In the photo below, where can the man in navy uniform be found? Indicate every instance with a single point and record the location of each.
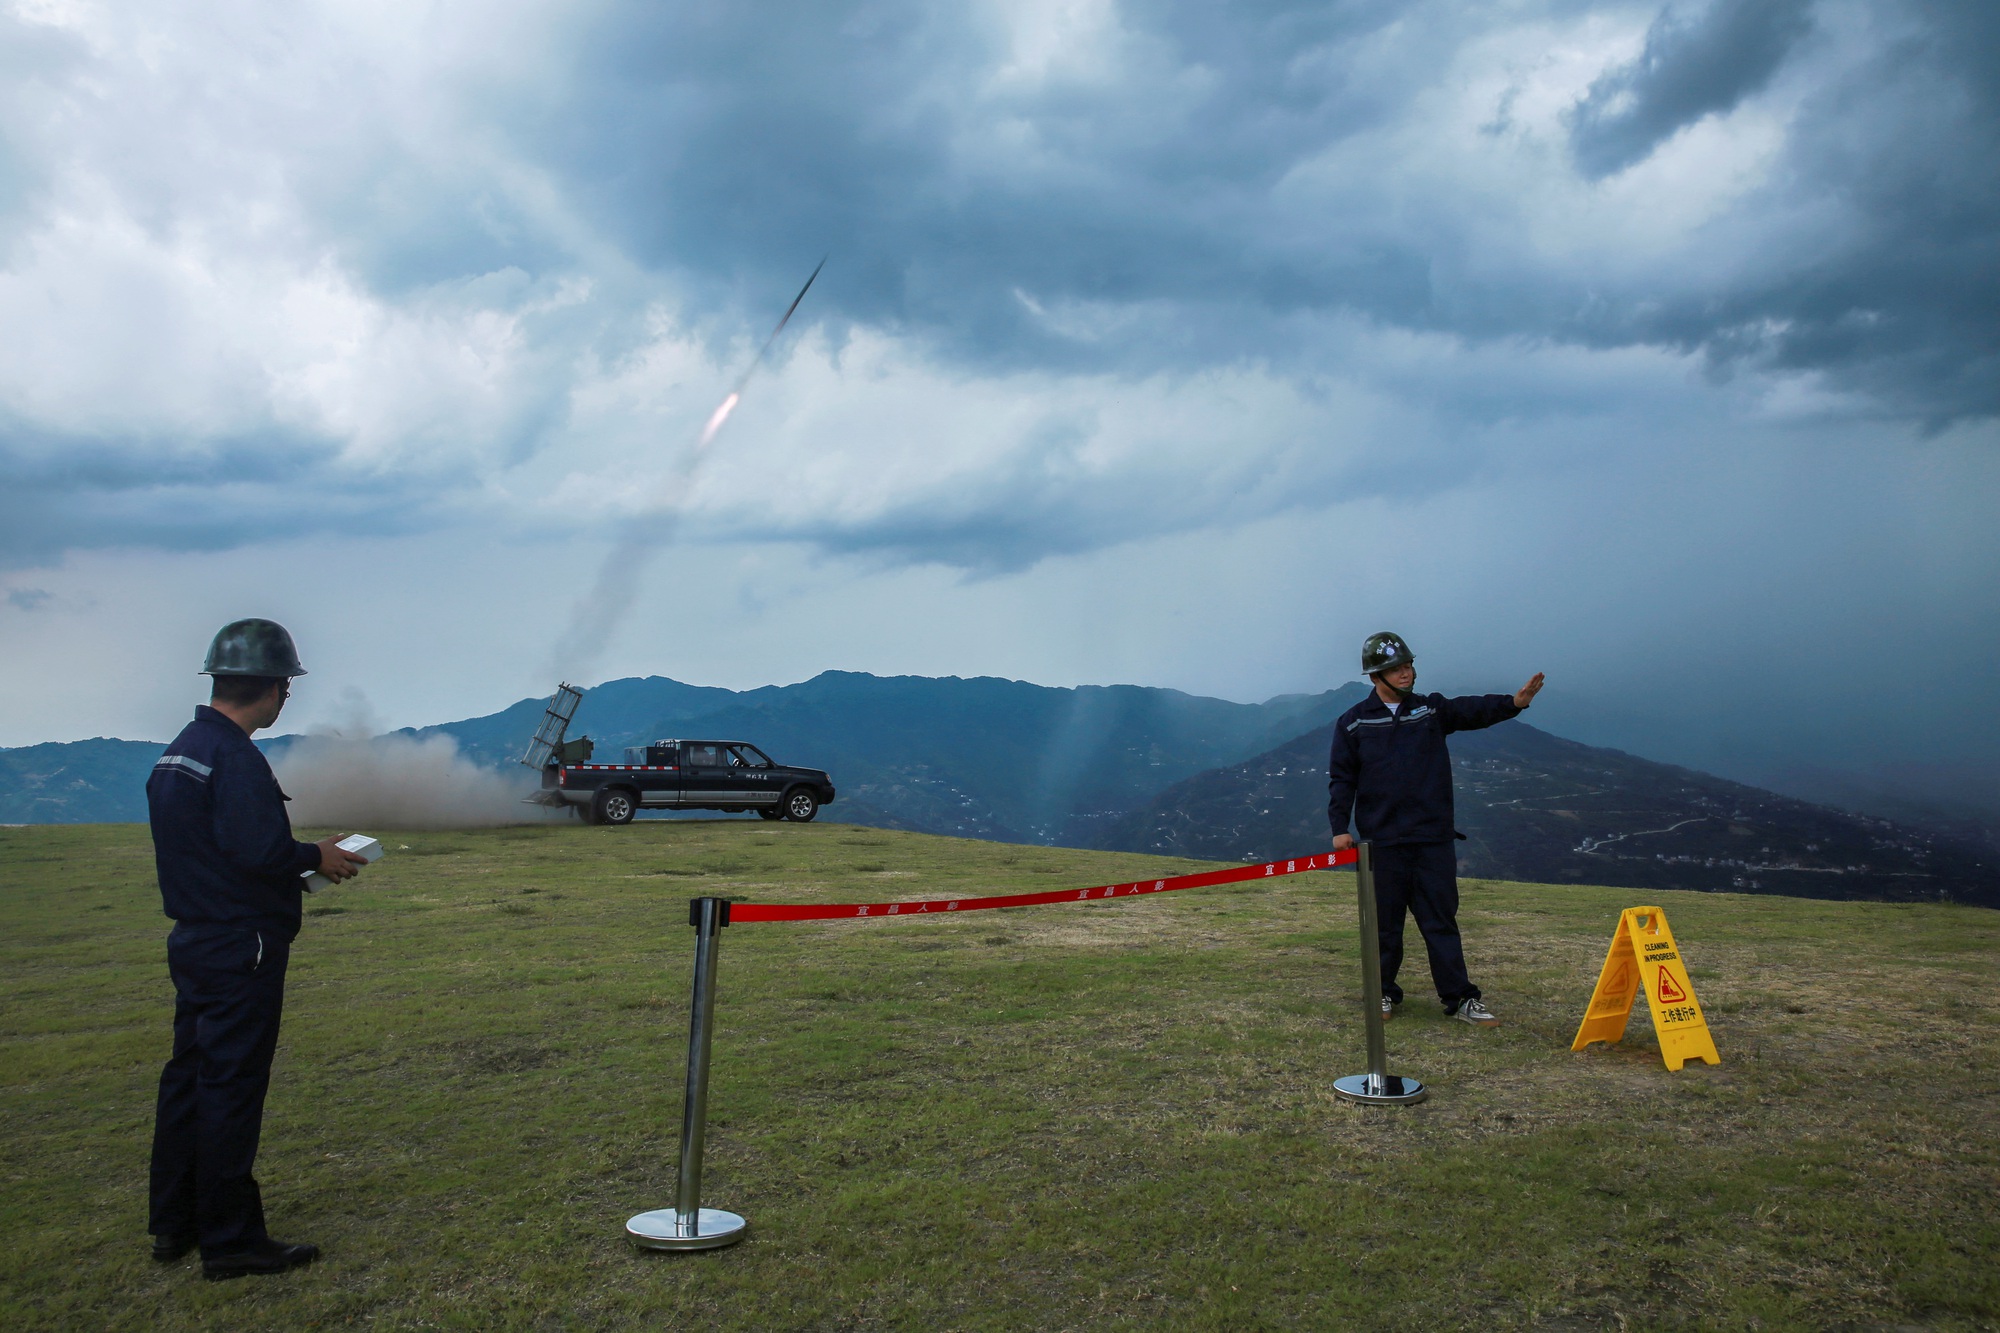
(230, 877)
(1391, 774)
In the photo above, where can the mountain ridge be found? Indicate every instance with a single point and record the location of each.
(1537, 807)
(1137, 768)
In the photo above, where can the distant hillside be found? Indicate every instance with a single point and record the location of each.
(1125, 767)
(1539, 808)
(978, 757)
(98, 781)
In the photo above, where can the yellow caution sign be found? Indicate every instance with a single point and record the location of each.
(1644, 957)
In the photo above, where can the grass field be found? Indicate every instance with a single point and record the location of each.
(1101, 1115)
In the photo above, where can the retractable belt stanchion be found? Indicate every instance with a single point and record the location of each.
(687, 1225)
(1377, 1087)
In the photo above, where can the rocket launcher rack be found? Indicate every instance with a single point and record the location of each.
(555, 725)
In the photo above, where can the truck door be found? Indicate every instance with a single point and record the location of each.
(755, 775)
(661, 784)
(705, 777)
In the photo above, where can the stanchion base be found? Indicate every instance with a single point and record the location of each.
(1379, 1090)
(661, 1230)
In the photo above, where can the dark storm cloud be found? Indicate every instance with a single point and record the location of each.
(57, 493)
(1903, 303)
(1147, 193)
(730, 147)
(1691, 67)
(1157, 194)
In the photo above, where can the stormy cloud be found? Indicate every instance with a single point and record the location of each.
(400, 262)
(1108, 283)
(1693, 66)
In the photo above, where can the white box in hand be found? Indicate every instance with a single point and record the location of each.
(356, 844)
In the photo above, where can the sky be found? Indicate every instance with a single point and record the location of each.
(1656, 347)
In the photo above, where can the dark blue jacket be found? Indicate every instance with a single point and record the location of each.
(1391, 770)
(221, 836)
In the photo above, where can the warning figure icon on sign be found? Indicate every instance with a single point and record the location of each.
(1669, 992)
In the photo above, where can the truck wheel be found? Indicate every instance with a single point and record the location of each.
(613, 805)
(769, 812)
(800, 805)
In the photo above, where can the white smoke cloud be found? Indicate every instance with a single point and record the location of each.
(346, 776)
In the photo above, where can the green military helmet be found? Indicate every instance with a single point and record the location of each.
(1385, 652)
(253, 648)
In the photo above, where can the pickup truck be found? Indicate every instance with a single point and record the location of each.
(685, 775)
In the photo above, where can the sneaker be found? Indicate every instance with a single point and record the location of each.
(1388, 1007)
(1477, 1014)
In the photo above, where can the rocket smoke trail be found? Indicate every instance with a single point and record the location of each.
(594, 618)
(721, 413)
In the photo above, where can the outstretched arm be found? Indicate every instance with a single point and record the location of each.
(1471, 712)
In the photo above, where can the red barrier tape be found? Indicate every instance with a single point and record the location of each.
(850, 911)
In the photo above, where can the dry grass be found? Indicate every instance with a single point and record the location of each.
(1087, 1116)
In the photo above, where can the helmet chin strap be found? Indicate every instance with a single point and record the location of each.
(1382, 678)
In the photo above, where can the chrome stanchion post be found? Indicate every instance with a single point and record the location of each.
(687, 1225)
(1371, 968)
(1377, 1087)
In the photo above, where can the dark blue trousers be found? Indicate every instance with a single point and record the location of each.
(229, 993)
(1422, 880)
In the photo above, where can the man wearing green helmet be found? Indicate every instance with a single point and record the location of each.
(1389, 778)
(229, 873)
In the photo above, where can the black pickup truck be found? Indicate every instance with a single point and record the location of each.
(686, 775)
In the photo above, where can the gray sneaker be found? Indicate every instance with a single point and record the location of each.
(1477, 1014)
(1388, 1007)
